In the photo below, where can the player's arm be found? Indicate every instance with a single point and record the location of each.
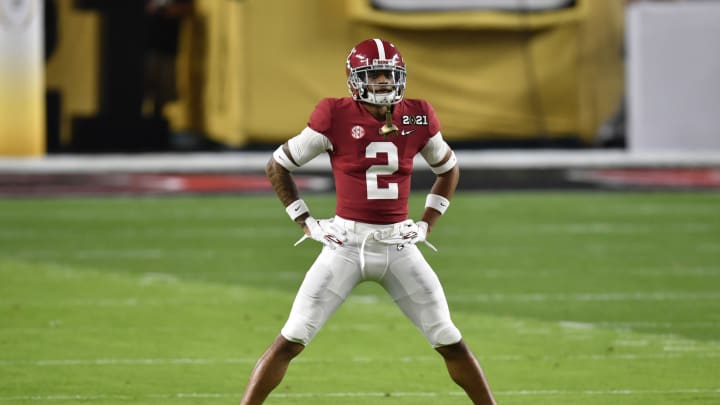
(291, 155)
(283, 183)
(444, 186)
(443, 163)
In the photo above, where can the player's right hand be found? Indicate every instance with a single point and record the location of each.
(324, 231)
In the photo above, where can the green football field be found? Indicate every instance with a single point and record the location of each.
(566, 298)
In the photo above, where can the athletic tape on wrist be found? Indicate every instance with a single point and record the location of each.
(445, 167)
(296, 208)
(437, 202)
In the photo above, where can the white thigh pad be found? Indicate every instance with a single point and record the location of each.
(416, 289)
(326, 285)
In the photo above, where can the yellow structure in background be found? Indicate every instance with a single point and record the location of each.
(489, 74)
(74, 67)
(22, 96)
(212, 72)
(251, 71)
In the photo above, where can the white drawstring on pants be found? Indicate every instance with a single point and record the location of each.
(362, 249)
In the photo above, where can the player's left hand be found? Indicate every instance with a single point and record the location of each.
(412, 232)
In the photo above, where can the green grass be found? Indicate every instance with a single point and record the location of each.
(566, 298)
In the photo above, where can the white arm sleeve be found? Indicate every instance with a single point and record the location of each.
(304, 147)
(435, 150)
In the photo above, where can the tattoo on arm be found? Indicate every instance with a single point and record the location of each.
(282, 182)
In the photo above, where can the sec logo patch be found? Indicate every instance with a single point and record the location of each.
(357, 132)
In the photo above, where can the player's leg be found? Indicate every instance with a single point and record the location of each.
(416, 289)
(270, 370)
(465, 370)
(326, 285)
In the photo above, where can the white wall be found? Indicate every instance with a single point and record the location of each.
(673, 76)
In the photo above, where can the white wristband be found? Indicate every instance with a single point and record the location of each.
(296, 208)
(437, 202)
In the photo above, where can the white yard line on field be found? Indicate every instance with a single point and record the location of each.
(64, 397)
(696, 354)
(58, 326)
(115, 362)
(520, 297)
(629, 392)
(360, 394)
(590, 297)
(663, 325)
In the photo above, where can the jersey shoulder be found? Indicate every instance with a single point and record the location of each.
(416, 104)
(322, 116)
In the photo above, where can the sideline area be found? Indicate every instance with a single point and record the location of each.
(228, 172)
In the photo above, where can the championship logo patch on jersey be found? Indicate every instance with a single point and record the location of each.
(357, 132)
(415, 120)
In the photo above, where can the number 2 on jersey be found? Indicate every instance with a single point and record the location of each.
(374, 192)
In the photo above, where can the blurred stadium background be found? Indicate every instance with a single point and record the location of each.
(555, 92)
(608, 296)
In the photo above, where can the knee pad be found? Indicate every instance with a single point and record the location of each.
(298, 331)
(443, 335)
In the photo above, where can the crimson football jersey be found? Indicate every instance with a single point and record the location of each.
(373, 172)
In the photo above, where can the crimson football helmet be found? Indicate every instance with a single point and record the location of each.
(368, 61)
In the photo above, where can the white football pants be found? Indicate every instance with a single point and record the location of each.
(402, 272)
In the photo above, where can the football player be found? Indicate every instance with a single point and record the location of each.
(371, 138)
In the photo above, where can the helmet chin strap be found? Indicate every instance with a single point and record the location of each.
(389, 128)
